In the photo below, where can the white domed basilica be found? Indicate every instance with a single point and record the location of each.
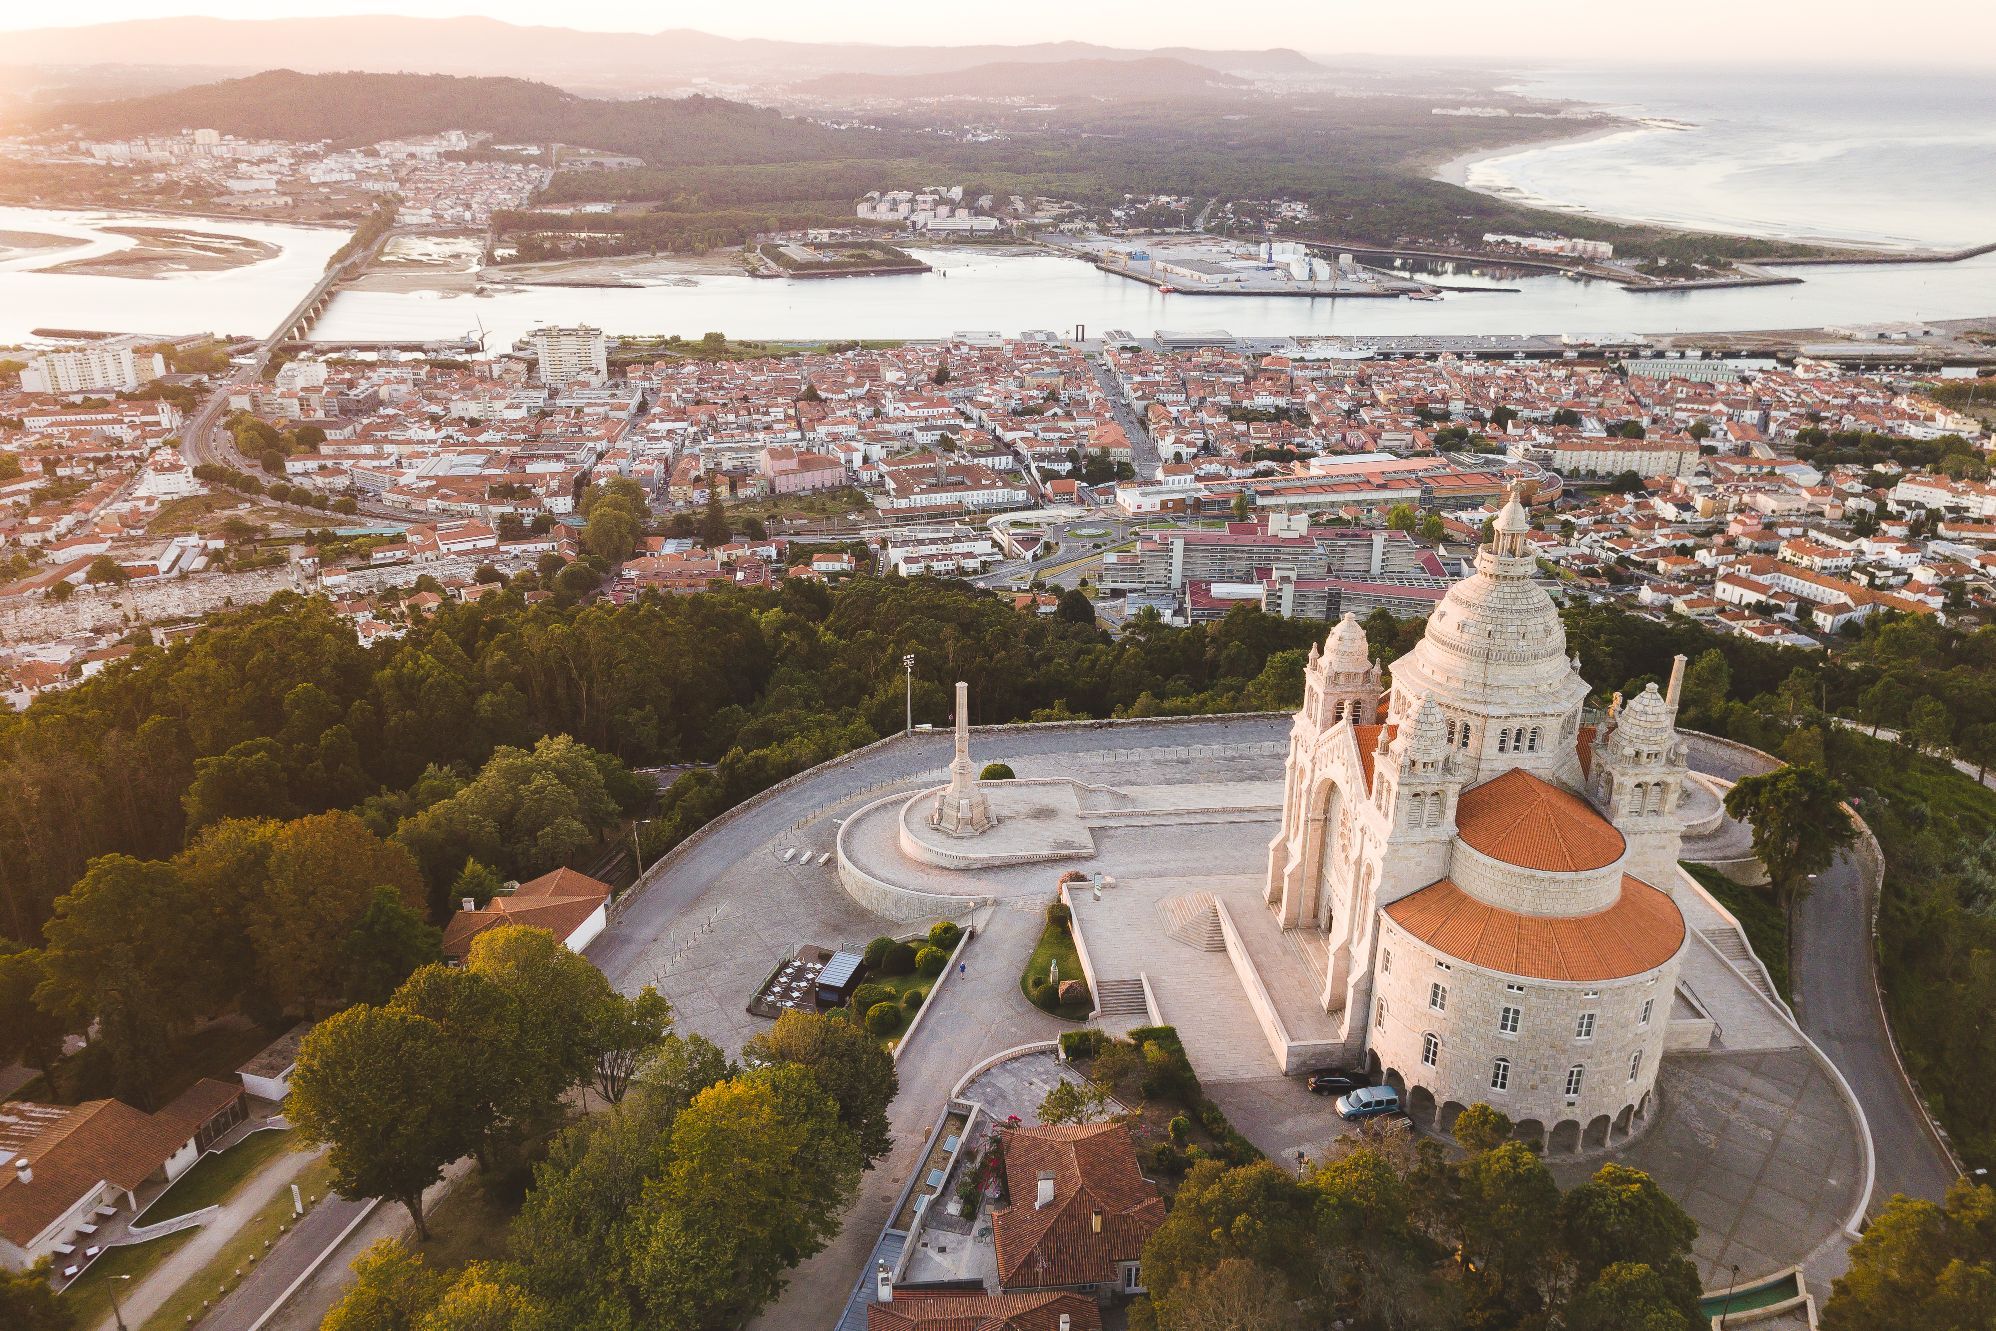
(1490, 876)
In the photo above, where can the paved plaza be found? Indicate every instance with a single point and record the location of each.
(1731, 1128)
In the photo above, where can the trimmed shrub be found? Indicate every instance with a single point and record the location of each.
(996, 772)
(1058, 913)
(900, 960)
(930, 961)
(945, 936)
(864, 997)
(876, 952)
(1083, 1043)
(882, 1018)
(912, 999)
(1180, 1128)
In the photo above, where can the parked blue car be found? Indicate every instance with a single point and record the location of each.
(1368, 1102)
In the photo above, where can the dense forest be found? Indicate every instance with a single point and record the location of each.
(719, 172)
(359, 108)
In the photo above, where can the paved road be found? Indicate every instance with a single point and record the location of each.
(144, 1297)
(253, 1301)
(1143, 452)
(1831, 961)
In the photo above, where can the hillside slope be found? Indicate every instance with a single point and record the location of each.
(1160, 78)
(361, 108)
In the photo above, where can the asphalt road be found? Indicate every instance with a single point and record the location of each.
(251, 1303)
(1836, 1004)
(1143, 453)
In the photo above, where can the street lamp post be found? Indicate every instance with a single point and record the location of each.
(1731, 1290)
(117, 1313)
(908, 668)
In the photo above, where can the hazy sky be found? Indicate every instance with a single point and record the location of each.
(1842, 31)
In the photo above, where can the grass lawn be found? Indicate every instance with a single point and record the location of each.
(1056, 945)
(215, 1177)
(90, 1297)
(470, 1224)
(249, 1245)
(900, 986)
(1766, 927)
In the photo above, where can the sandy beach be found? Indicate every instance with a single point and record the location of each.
(165, 251)
(1455, 171)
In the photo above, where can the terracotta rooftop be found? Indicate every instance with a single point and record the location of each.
(559, 902)
(912, 1310)
(1524, 820)
(1102, 1211)
(1641, 931)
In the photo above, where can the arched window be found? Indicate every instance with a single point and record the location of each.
(1533, 742)
(1503, 741)
(1500, 1075)
(1435, 809)
(1451, 733)
(1431, 1049)
(1379, 1016)
(1574, 1076)
(1462, 740)
(1635, 1064)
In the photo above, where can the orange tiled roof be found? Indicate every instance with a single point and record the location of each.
(559, 902)
(913, 1310)
(1641, 931)
(1523, 820)
(1095, 1179)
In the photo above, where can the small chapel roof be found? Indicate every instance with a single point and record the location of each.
(1640, 932)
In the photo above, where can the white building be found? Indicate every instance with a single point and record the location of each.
(568, 355)
(1490, 878)
(115, 365)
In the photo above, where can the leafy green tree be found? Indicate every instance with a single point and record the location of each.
(1075, 607)
(1071, 1103)
(624, 1033)
(1708, 683)
(385, 945)
(106, 571)
(554, 997)
(474, 883)
(1481, 1128)
(1506, 1212)
(321, 879)
(574, 1233)
(854, 1070)
(1929, 725)
(1431, 527)
(392, 1290)
(708, 1254)
(616, 514)
(28, 1302)
(130, 947)
(485, 1298)
(29, 1033)
(1402, 517)
(1620, 1216)
(381, 1088)
(1798, 826)
(714, 528)
(526, 812)
(1628, 1296)
(1922, 1264)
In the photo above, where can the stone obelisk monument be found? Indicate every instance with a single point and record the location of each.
(962, 810)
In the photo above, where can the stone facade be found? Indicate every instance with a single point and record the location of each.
(1466, 830)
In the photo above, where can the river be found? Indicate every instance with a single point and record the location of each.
(971, 290)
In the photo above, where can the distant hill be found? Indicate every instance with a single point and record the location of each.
(361, 108)
(564, 56)
(1159, 77)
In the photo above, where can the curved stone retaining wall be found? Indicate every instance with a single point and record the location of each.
(903, 905)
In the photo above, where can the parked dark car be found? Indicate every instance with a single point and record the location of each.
(1334, 1082)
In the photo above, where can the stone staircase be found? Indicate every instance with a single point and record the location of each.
(1193, 918)
(1729, 944)
(1121, 998)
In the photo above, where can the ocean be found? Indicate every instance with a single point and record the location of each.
(1895, 159)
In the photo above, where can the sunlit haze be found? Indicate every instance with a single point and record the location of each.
(1837, 31)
